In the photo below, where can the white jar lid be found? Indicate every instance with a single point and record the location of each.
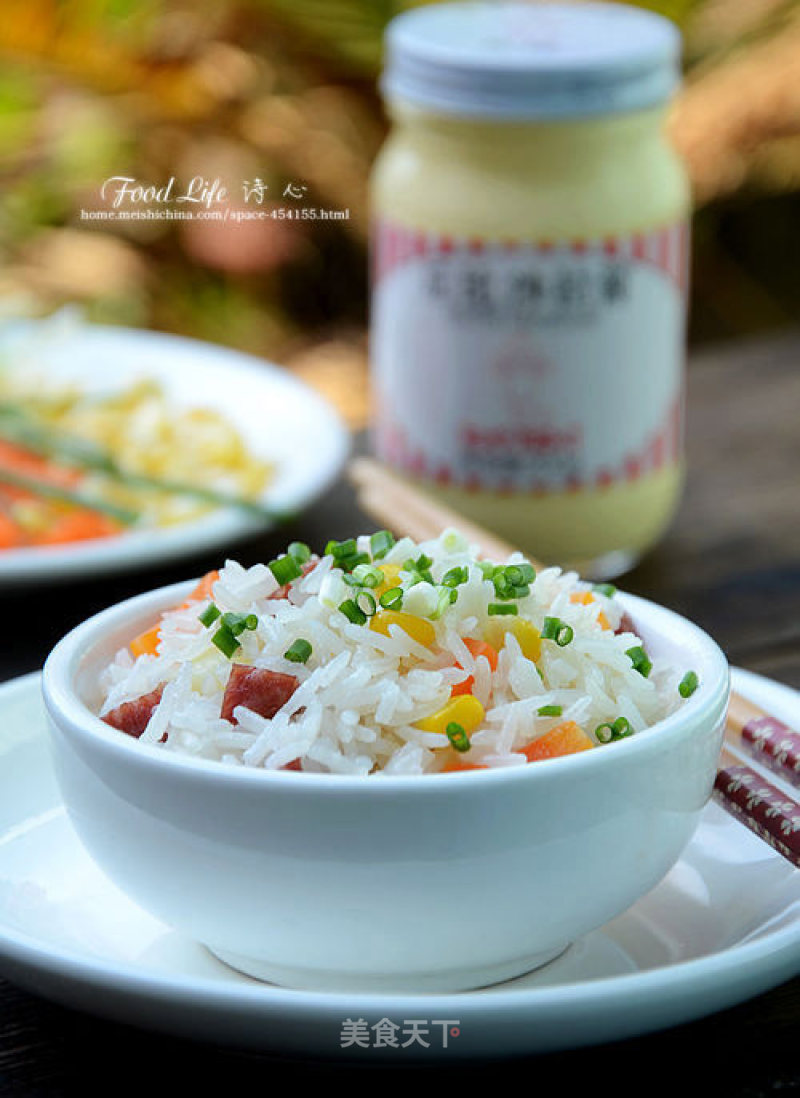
(522, 60)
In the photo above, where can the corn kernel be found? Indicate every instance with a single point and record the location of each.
(391, 578)
(525, 632)
(418, 629)
(464, 709)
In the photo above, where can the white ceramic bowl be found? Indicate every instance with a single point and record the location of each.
(436, 882)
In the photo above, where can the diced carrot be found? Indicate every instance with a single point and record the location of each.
(582, 597)
(586, 598)
(203, 589)
(458, 762)
(146, 644)
(565, 739)
(481, 648)
(77, 525)
(477, 648)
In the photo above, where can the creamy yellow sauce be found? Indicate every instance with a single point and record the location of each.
(534, 181)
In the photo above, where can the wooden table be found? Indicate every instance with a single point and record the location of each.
(731, 562)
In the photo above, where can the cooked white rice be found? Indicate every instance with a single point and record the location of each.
(361, 693)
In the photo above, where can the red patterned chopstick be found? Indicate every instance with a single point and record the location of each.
(768, 741)
(760, 805)
(768, 811)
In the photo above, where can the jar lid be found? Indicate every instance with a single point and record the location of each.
(531, 60)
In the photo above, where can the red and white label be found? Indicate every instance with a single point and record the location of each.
(528, 367)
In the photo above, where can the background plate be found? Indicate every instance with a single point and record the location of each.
(281, 419)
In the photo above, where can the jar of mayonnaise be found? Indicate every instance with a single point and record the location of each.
(529, 271)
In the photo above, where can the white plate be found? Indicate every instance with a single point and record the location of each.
(281, 419)
(722, 927)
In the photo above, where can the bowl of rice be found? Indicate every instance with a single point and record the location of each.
(386, 765)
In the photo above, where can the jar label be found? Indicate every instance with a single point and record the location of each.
(528, 367)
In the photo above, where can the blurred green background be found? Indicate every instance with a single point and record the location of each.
(284, 92)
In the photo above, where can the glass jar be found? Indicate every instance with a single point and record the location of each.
(529, 272)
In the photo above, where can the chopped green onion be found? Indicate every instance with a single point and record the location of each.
(550, 710)
(613, 730)
(487, 568)
(300, 551)
(458, 737)
(607, 589)
(503, 589)
(557, 630)
(510, 581)
(446, 596)
(340, 549)
(285, 569)
(237, 623)
(500, 608)
(365, 601)
(528, 571)
(352, 611)
(688, 684)
(225, 640)
(380, 543)
(345, 554)
(456, 576)
(392, 599)
(419, 569)
(298, 651)
(640, 660)
(209, 615)
(367, 575)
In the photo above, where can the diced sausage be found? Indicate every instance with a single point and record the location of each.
(626, 625)
(258, 689)
(295, 764)
(133, 717)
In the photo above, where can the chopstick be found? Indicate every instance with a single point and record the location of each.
(389, 499)
(760, 805)
(765, 739)
(747, 795)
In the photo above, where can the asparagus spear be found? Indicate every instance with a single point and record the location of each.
(18, 427)
(61, 494)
